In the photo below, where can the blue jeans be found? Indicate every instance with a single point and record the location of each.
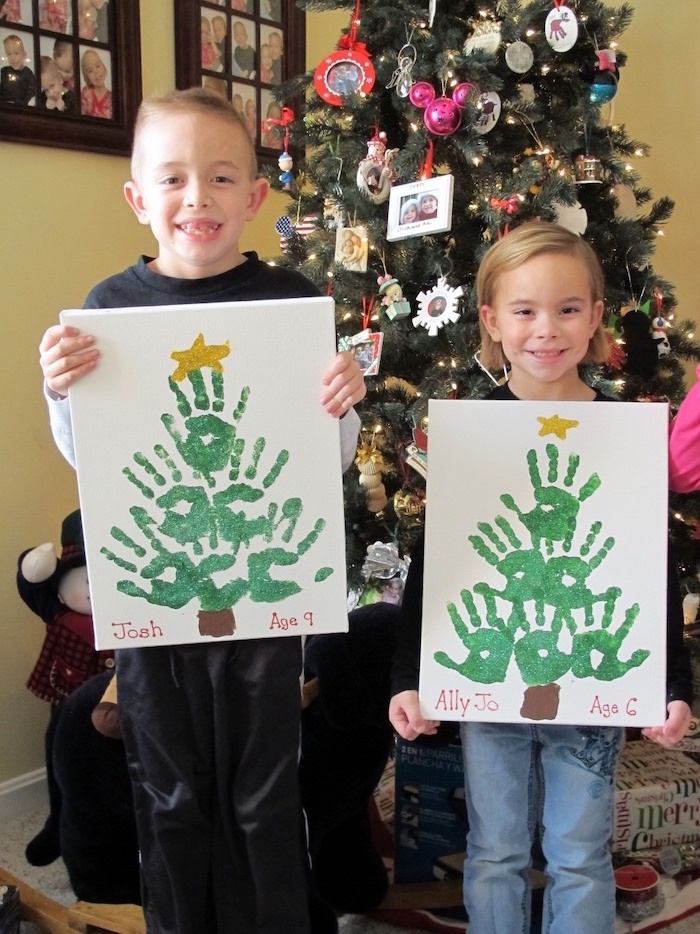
(522, 779)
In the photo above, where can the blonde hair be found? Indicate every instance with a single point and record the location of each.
(517, 247)
(193, 100)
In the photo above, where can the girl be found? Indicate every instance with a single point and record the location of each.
(87, 19)
(540, 299)
(95, 97)
(53, 15)
(409, 212)
(211, 57)
(684, 447)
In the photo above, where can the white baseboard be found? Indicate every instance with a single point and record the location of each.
(22, 795)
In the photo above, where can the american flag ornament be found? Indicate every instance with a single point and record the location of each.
(285, 227)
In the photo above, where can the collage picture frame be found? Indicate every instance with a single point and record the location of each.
(70, 73)
(243, 50)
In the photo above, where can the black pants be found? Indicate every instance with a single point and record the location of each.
(212, 738)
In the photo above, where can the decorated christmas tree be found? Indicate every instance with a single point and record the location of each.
(428, 131)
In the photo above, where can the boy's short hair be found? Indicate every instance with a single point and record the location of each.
(517, 247)
(191, 100)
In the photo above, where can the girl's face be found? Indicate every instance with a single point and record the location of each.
(206, 28)
(544, 317)
(410, 214)
(266, 57)
(94, 70)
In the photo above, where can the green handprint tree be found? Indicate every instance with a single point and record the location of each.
(210, 531)
(544, 616)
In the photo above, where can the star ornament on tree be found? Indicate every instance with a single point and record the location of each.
(198, 356)
(437, 306)
(554, 425)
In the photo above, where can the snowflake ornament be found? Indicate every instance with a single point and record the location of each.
(437, 306)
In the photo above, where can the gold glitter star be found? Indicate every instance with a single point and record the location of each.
(199, 355)
(556, 426)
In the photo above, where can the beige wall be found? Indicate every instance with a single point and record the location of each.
(65, 226)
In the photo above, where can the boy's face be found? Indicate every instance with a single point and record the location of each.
(218, 24)
(240, 35)
(428, 204)
(63, 56)
(544, 316)
(14, 49)
(196, 191)
(275, 43)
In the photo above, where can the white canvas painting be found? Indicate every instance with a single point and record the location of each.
(545, 563)
(209, 473)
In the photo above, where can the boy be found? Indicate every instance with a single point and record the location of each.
(211, 731)
(16, 79)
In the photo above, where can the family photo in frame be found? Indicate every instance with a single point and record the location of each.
(421, 207)
(70, 76)
(242, 50)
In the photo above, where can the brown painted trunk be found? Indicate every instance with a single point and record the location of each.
(216, 622)
(540, 702)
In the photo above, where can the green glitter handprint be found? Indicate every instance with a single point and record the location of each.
(210, 493)
(544, 615)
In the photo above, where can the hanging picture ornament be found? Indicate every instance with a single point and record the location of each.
(347, 71)
(489, 106)
(375, 173)
(561, 27)
(519, 57)
(437, 307)
(602, 77)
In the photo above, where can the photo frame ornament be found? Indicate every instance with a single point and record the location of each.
(407, 219)
(342, 73)
(438, 307)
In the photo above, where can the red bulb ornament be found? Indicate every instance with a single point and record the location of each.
(421, 94)
(442, 116)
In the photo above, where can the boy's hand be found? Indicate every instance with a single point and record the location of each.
(406, 718)
(65, 355)
(675, 727)
(345, 385)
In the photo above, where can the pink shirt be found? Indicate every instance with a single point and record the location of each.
(684, 443)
